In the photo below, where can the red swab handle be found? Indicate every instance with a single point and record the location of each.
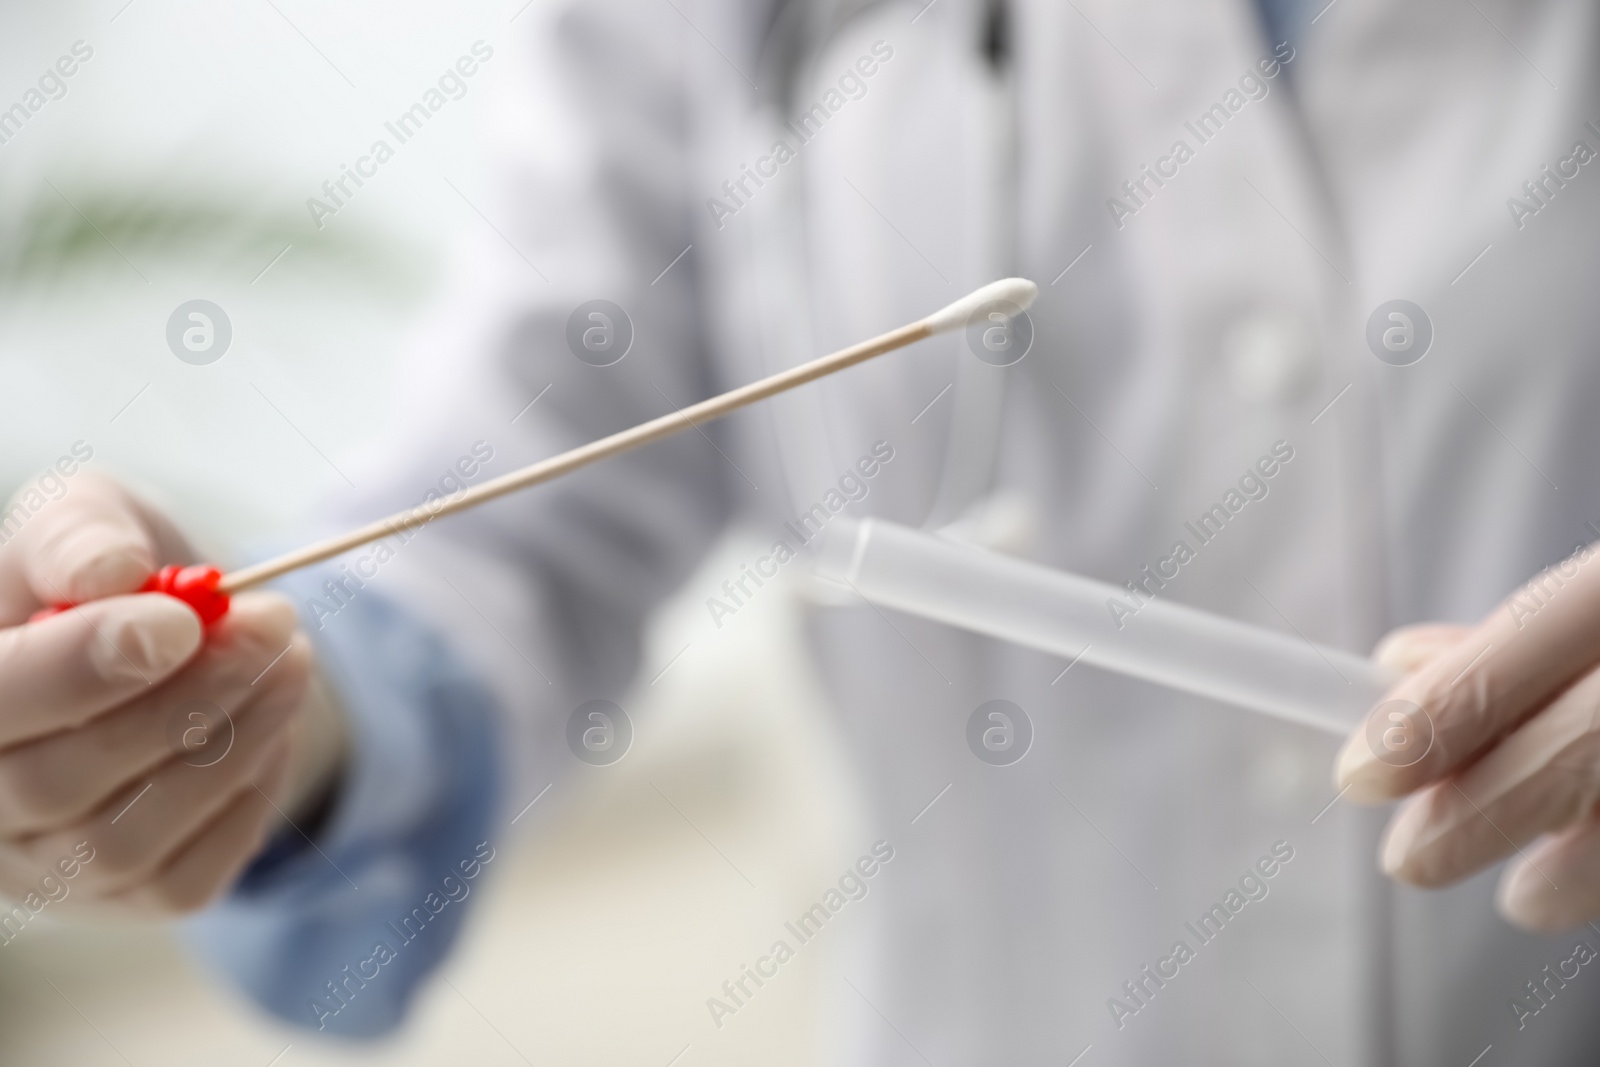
(196, 586)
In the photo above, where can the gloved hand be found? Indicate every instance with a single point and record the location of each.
(106, 712)
(1504, 754)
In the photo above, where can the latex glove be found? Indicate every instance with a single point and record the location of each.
(106, 712)
(1513, 764)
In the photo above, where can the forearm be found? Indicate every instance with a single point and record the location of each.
(397, 783)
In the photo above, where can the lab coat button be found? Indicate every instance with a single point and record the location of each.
(1270, 358)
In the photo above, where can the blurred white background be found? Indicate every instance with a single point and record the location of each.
(177, 167)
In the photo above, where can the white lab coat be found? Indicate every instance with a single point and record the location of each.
(1019, 906)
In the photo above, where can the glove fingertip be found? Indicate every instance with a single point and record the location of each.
(1525, 900)
(91, 564)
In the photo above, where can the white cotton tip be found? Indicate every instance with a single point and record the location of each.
(1016, 291)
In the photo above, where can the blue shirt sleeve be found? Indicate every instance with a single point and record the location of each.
(338, 933)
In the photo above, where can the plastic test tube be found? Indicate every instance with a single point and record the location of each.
(1281, 675)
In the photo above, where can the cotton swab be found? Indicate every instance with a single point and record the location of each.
(207, 589)
(1017, 292)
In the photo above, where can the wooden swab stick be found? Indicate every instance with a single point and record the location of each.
(1018, 292)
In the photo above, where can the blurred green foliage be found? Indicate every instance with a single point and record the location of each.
(62, 232)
